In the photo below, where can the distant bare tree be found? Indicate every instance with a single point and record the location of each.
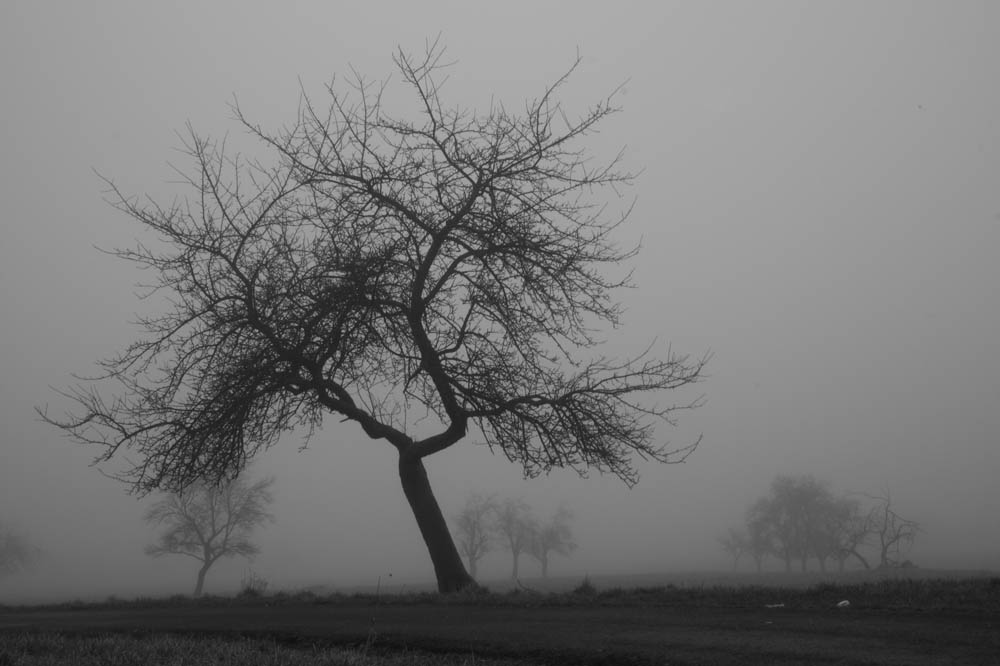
(475, 537)
(849, 529)
(892, 531)
(759, 535)
(208, 521)
(16, 553)
(516, 527)
(792, 515)
(736, 543)
(553, 537)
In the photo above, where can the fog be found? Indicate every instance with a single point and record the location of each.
(819, 207)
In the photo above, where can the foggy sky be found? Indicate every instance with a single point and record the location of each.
(819, 206)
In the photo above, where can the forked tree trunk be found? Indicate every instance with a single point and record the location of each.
(448, 566)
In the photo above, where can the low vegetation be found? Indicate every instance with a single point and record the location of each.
(952, 594)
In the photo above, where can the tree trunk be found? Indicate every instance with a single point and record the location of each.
(545, 566)
(201, 578)
(472, 568)
(448, 567)
(513, 572)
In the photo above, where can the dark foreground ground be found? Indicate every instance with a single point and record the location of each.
(571, 634)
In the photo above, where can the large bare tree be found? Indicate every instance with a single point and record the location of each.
(462, 261)
(207, 522)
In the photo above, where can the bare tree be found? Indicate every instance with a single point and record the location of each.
(474, 529)
(207, 522)
(736, 543)
(849, 529)
(517, 527)
(16, 552)
(792, 516)
(892, 532)
(458, 262)
(552, 537)
(759, 535)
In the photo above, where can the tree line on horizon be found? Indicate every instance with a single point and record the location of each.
(800, 519)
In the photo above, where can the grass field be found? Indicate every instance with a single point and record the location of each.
(891, 621)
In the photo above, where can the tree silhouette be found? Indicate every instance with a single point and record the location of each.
(892, 532)
(516, 527)
(208, 522)
(474, 529)
(552, 537)
(457, 262)
(16, 552)
(736, 543)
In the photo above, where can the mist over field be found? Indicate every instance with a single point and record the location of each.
(818, 208)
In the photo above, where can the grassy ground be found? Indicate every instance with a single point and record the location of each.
(892, 621)
(979, 593)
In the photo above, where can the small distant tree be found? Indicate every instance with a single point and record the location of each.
(759, 542)
(210, 521)
(892, 532)
(516, 527)
(849, 529)
(771, 523)
(793, 513)
(553, 537)
(473, 529)
(736, 543)
(16, 553)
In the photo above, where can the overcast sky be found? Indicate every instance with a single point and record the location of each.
(819, 206)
